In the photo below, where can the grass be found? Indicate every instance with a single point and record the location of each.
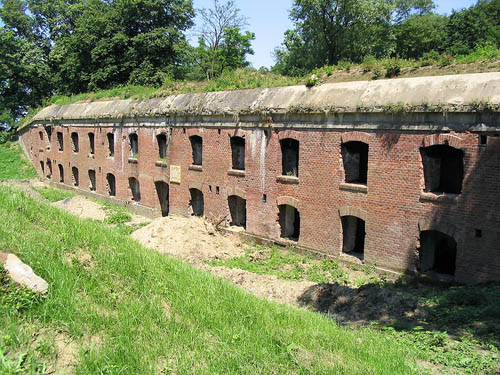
(136, 311)
(14, 165)
(54, 195)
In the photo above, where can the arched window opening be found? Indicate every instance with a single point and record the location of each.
(355, 159)
(290, 157)
(238, 210)
(197, 149)
(162, 145)
(49, 169)
(60, 142)
(134, 188)
(238, 153)
(92, 183)
(437, 253)
(353, 236)
(443, 169)
(111, 184)
(74, 141)
(196, 202)
(162, 190)
(61, 173)
(111, 144)
(42, 167)
(92, 143)
(134, 145)
(289, 219)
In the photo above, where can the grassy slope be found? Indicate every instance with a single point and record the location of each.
(151, 313)
(13, 164)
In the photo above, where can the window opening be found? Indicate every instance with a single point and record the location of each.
(60, 140)
(353, 236)
(289, 219)
(42, 167)
(290, 157)
(92, 143)
(437, 253)
(74, 140)
(238, 153)
(162, 145)
(443, 169)
(111, 184)
(61, 173)
(49, 169)
(196, 202)
(134, 145)
(197, 149)
(111, 144)
(355, 159)
(76, 181)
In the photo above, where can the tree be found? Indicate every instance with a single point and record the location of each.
(222, 44)
(327, 31)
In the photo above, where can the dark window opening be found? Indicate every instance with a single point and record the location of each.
(196, 202)
(264, 198)
(197, 149)
(74, 141)
(42, 167)
(40, 133)
(111, 144)
(162, 145)
(238, 153)
(49, 169)
(478, 233)
(355, 159)
(76, 180)
(289, 219)
(61, 173)
(135, 189)
(60, 140)
(438, 252)
(218, 131)
(48, 129)
(162, 192)
(92, 184)
(111, 184)
(92, 143)
(134, 145)
(443, 169)
(483, 139)
(210, 188)
(217, 190)
(238, 210)
(290, 157)
(353, 236)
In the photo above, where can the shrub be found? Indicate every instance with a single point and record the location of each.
(118, 218)
(393, 68)
(313, 80)
(446, 59)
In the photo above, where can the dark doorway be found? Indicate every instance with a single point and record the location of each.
(289, 219)
(437, 253)
(355, 159)
(443, 169)
(197, 149)
(92, 184)
(76, 180)
(353, 236)
(238, 210)
(196, 202)
(162, 192)
(60, 141)
(290, 157)
(111, 182)
(238, 153)
(134, 188)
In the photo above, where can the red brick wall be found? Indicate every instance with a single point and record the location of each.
(392, 204)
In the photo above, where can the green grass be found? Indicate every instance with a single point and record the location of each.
(135, 311)
(54, 195)
(14, 165)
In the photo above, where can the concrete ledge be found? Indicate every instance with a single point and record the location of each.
(161, 164)
(287, 179)
(355, 188)
(443, 197)
(236, 172)
(193, 167)
(133, 160)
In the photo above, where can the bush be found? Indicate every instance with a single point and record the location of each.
(446, 59)
(6, 136)
(118, 218)
(313, 80)
(393, 69)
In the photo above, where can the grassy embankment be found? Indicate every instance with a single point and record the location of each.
(117, 308)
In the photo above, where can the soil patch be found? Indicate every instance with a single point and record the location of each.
(82, 207)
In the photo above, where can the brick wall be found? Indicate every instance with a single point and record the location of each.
(392, 203)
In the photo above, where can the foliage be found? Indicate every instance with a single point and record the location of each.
(120, 217)
(131, 295)
(14, 165)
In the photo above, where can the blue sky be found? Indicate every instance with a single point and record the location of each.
(268, 19)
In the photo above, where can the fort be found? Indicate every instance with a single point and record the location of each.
(402, 173)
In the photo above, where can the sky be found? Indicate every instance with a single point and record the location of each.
(268, 19)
